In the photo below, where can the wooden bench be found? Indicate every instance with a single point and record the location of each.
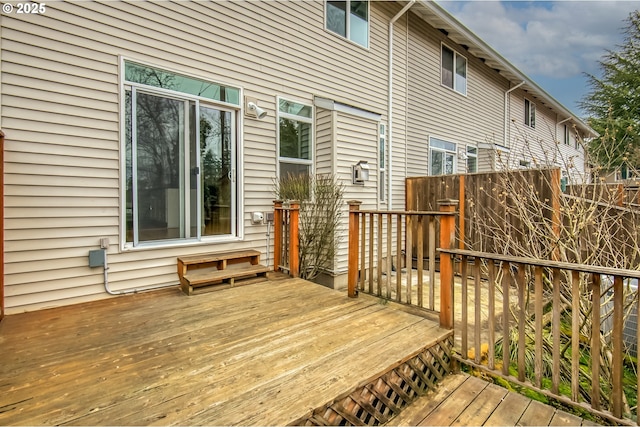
(213, 270)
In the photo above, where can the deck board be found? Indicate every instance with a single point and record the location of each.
(469, 401)
(265, 353)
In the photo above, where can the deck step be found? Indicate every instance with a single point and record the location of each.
(211, 270)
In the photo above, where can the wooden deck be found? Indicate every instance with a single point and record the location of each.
(461, 400)
(267, 354)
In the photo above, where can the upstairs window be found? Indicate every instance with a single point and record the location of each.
(529, 113)
(567, 135)
(349, 19)
(454, 70)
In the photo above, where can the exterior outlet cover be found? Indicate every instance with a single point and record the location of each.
(257, 217)
(96, 258)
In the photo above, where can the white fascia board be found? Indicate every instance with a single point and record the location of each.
(329, 104)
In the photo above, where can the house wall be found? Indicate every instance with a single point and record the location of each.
(61, 114)
(543, 145)
(438, 111)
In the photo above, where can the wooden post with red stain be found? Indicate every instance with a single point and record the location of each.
(354, 227)
(1, 225)
(447, 241)
(294, 240)
(277, 234)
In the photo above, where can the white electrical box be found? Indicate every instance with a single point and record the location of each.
(257, 218)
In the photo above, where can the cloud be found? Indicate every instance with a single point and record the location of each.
(557, 39)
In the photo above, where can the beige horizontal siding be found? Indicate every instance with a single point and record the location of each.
(61, 114)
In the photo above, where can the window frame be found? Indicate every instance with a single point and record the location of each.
(454, 80)
(453, 152)
(382, 165)
(310, 120)
(347, 35)
(237, 231)
(472, 155)
(529, 113)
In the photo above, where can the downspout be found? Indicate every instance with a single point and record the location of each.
(390, 107)
(506, 112)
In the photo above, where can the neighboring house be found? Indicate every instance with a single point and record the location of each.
(133, 125)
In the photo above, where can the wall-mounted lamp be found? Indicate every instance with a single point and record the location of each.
(360, 172)
(254, 110)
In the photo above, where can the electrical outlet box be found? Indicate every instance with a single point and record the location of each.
(96, 258)
(268, 216)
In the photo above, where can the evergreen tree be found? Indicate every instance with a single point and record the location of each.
(614, 102)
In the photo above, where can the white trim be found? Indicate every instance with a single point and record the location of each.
(494, 147)
(329, 104)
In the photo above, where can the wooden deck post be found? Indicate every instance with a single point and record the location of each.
(277, 234)
(1, 225)
(354, 227)
(447, 241)
(294, 240)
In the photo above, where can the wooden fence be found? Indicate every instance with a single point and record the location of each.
(483, 199)
(540, 324)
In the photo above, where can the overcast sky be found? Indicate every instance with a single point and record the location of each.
(553, 42)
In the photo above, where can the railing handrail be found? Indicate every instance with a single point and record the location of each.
(586, 268)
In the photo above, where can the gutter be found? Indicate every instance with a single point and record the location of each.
(390, 106)
(505, 141)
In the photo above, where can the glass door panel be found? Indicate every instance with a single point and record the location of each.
(217, 157)
(160, 129)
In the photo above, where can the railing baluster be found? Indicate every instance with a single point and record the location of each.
(477, 310)
(618, 325)
(432, 261)
(596, 292)
(492, 315)
(506, 314)
(389, 259)
(464, 324)
(363, 251)
(398, 254)
(371, 245)
(522, 321)
(379, 254)
(555, 331)
(538, 296)
(408, 249)
(575, 336)
(420, 259)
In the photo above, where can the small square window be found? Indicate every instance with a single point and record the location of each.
(349, 19)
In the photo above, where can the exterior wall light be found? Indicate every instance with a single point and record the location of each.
(360, 172)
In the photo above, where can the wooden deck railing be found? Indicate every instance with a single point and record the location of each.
(285, 239)
(536, 322)
(381, 258)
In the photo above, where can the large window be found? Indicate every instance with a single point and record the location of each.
(349, 19)
(180, 156)
(529, 113)
(295, 136)
(442, 157)
(454, 70)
